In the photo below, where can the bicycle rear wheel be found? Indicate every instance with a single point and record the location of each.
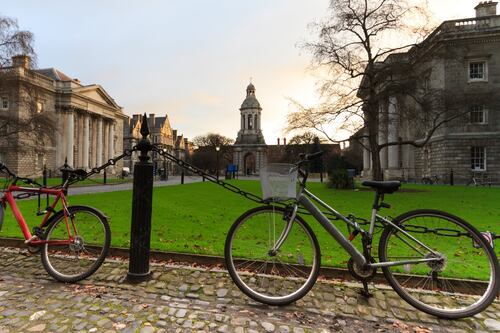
(272, 279)
(464, 278)
(84, 255)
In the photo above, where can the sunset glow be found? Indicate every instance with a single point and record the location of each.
(189, 59)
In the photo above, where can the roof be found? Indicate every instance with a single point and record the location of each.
(250, 101)
(159, 121)
(54, 74)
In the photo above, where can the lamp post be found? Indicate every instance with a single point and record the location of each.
(165, 172)
(217, 148)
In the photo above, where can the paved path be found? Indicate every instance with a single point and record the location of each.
(187, 299)
(172, 180)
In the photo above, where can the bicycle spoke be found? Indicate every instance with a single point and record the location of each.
(277, 277)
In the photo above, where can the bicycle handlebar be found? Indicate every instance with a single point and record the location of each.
(28, 181)
(309, 157)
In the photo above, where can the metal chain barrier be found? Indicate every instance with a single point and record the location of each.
(96, 170)
(248, 195)
(225, 185)
(255, 198)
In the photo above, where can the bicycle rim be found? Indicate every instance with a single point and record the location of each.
(272, 279)
(82, 256)
(462, 281)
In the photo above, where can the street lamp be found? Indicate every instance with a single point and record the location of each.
(165, 173)
(217, 148)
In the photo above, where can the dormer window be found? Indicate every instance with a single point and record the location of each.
(478, 71)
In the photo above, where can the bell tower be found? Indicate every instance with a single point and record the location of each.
(250, 149)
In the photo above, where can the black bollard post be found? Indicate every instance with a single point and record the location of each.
(104, 177)
(451, 178)
(65, 171)
(44, 175)
(142, 199)
(182, 176)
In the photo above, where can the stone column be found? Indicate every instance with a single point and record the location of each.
(366, 156)
(99, 143)
(93, 145)
(242, 122)
(86, 141)
(382, 133)
(59, 140)
(70, 132)
(104, 141)
(392, 133)
(111, 140)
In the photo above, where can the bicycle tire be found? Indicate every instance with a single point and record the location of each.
(90, 250)
(246, 279)
(432, 287)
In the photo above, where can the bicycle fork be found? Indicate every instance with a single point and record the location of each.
(288, 217)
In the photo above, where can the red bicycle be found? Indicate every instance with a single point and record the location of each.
(73, 241)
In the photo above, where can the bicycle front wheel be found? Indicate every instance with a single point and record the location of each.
(71, 259)
(458, 272)
(272, 278)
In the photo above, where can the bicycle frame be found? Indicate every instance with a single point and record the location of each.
(357, 256)
(29, 238)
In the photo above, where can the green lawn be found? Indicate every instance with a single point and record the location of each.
(195, 218)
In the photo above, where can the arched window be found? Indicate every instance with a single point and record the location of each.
(250, 122)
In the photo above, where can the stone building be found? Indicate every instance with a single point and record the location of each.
(88, 122)
(250, 149)
(458, 65)
(162, 135)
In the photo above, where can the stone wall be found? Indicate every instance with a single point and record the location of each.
(455, 154)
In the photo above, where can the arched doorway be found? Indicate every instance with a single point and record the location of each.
(249, 163)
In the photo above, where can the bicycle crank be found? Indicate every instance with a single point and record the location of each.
(363, 274)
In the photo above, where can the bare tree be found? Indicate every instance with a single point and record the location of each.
(26, 124)
(304, 138)
(14, 41)
(205, 155)
(367, 48)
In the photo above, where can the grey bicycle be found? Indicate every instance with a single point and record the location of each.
(437, 262)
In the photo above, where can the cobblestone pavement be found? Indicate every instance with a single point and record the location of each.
(188, 299)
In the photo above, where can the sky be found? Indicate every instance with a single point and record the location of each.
(189, 59)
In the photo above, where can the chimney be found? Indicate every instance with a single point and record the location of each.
(135, 118)
(284, 141)
(21, 61)
(486, 8)
(152, 120)
(278, 141)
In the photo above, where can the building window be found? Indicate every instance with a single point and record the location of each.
(39, 161)
(478, 114)
(478, 71)
(39, 107)
(4, 103)
(250, 122)
(478, 158)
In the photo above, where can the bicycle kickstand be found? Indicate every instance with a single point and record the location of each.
(365, 291)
